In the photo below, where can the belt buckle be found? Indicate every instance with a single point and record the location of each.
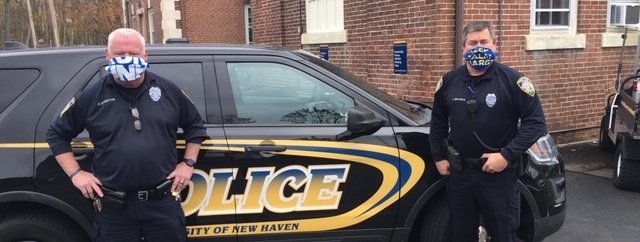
(143, 195)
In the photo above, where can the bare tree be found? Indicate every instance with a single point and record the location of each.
(80, 22)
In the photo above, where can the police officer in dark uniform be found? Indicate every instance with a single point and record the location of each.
(132, 117)
(483, 102)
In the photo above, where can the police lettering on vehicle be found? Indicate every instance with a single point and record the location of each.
(316, 188)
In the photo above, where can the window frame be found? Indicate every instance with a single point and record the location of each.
(573, 18)
(299, 104)
(224, 86)
(332, 31)
(248, 28)
(555, 37)
(152, 29)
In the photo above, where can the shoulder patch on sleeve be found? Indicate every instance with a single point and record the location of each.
(439, 85)
(526, 86)
(69, 105)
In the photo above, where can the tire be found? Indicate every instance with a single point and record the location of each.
(605, 143)
(41, 226)
(626, 173)
(436, 224)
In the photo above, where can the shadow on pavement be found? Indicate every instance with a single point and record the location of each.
(586, 157)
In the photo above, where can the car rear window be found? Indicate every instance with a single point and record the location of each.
(14, 82)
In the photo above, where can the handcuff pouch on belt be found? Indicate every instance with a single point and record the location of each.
(452, 155)
(113, 198)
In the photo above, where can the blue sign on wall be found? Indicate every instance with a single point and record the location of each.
(324, 52)
(400, 57)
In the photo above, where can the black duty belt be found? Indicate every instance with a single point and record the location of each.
(146, 195)
(156, 193)
(476, 163)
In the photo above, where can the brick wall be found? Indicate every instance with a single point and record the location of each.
(213, 21)
(572, 83)
(157, 22)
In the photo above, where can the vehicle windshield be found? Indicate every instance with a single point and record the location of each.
(415, 112)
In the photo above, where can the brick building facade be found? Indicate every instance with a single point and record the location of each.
(572, 74)
(200, 21)
(573, 68)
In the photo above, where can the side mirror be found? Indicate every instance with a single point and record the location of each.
(360, 121)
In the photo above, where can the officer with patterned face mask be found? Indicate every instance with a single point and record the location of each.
(132, 117)
(481, 104)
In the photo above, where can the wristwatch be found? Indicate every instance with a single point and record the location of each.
(189, 162)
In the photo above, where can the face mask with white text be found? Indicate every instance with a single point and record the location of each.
(127, 68)
(480, 58)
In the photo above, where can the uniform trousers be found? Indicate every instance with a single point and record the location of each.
(154, 220)
(496, 197)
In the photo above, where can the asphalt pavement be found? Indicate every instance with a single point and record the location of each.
(596, 211)
(586, 157)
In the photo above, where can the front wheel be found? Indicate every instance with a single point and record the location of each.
(39, 225)
(626, 173)
(436, 225)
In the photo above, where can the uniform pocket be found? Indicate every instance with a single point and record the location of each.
(514, 199)
(96, 231)
(514, 213)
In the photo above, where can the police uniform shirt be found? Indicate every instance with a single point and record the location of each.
(503, 97)
(126, 159)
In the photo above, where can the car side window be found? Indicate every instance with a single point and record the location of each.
(187, 76)
(14, 83)
(272, 93)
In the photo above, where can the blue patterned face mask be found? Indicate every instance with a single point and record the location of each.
(127, 68)
(480, 58)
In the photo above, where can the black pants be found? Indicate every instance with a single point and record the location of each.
(496, 197)
(154, 219)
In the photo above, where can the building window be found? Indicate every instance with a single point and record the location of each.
(248, 31)
(325, 16)
(552, 14)
(152, 29)
(325, 22)
(554, 25)
(623, 12)
(134, 22)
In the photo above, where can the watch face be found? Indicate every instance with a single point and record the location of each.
(190, 162)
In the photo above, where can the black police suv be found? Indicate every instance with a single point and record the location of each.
(299, 149)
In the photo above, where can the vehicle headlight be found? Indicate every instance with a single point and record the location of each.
(544, 151)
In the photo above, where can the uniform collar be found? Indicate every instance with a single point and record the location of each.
(148, 79)
(488, 74)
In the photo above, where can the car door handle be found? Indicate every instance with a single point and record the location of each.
(81, 157)
(260, 148)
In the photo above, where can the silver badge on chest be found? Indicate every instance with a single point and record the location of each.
(155, 93)
(491, 100)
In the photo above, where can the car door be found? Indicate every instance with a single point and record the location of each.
(292, 178)
(195, 75)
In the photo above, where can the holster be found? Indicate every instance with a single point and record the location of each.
(113, 198)
(520, 164)
(452, 155)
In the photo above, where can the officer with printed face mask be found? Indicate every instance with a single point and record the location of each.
(481, 103)
(132, 117)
